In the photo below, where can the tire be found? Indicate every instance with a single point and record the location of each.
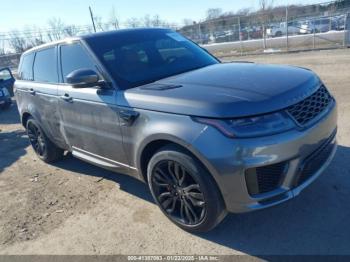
(184, 190)
(43, 147)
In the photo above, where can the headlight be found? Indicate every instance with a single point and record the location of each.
(251, 126)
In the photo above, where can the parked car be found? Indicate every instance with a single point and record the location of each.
(6, 84)
(207, 137)
(340, 22)
(248, 33)
(320, 25)
(227, 36)
(281, 29)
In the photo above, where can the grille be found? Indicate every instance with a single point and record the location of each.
(265, 179)
(315, 161)
(308, 109)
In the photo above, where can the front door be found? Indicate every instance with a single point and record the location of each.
(7, 80)
(89, 115)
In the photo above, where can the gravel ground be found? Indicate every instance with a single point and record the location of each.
(75, 208)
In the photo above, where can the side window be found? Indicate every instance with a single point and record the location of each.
(26, 68)
(45, 66)
(74, 57)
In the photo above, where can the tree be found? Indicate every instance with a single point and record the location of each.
(133, 22)
(71, 30)
(17, 42)
(243, 11)
(265, 7)
(213, 13)
(113, 20)
(156, 21)
(33, 36)
(56, 31)
(147, 21)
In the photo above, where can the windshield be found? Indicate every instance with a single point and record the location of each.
(140, 57)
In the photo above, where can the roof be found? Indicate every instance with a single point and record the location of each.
(123, 32)
(96, 35)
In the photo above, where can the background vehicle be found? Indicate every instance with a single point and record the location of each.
(319, 25)
(251, 33)
(281, 29)
(6, 87)
(151, 104)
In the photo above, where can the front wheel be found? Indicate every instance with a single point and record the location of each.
(185, 192)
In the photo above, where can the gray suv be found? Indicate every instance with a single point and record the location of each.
(208, 137)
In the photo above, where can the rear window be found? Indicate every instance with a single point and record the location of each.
(26, 67)
(45, 66)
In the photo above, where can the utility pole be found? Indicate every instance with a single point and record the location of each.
(239, 34)
(287, 33)
(92, 19)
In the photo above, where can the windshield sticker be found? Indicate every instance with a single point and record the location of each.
(177, 37)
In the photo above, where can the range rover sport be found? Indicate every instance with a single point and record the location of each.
(207, 137)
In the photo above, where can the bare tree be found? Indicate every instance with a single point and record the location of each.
(99, 23)
(56, 31)
(265, 7)
(147, 21)
(244, 11)
(156, 21)
(133, 22)
(33, 36)
(17, 42)
(113, 20)
(213, 13)
(71, 30)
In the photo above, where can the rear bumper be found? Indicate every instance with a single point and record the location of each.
(229, 159)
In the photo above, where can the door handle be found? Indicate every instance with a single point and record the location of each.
(128, 116)
(66, 98)
(32, 92)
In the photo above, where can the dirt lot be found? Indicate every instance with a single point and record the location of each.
(75, 208)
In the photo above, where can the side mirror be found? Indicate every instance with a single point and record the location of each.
(82, 78)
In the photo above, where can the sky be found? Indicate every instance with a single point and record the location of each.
(19, 14)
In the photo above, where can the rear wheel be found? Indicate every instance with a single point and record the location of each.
(184, 190)
(43, 147)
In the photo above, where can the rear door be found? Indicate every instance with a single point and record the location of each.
(43, 91)
(89, 115)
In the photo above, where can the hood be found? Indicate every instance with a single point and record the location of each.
(226, 90)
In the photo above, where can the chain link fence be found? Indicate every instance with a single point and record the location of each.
(286, 29)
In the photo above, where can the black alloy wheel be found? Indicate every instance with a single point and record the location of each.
(184, 190)
(178, 193)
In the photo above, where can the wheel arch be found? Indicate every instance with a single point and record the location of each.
(24, 118)
(150, 147)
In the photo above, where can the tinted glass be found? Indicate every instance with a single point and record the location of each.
(26, 69)
(138, 57)
(45, 66)
(74, 57)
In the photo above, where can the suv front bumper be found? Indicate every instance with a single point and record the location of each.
(229, 159)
